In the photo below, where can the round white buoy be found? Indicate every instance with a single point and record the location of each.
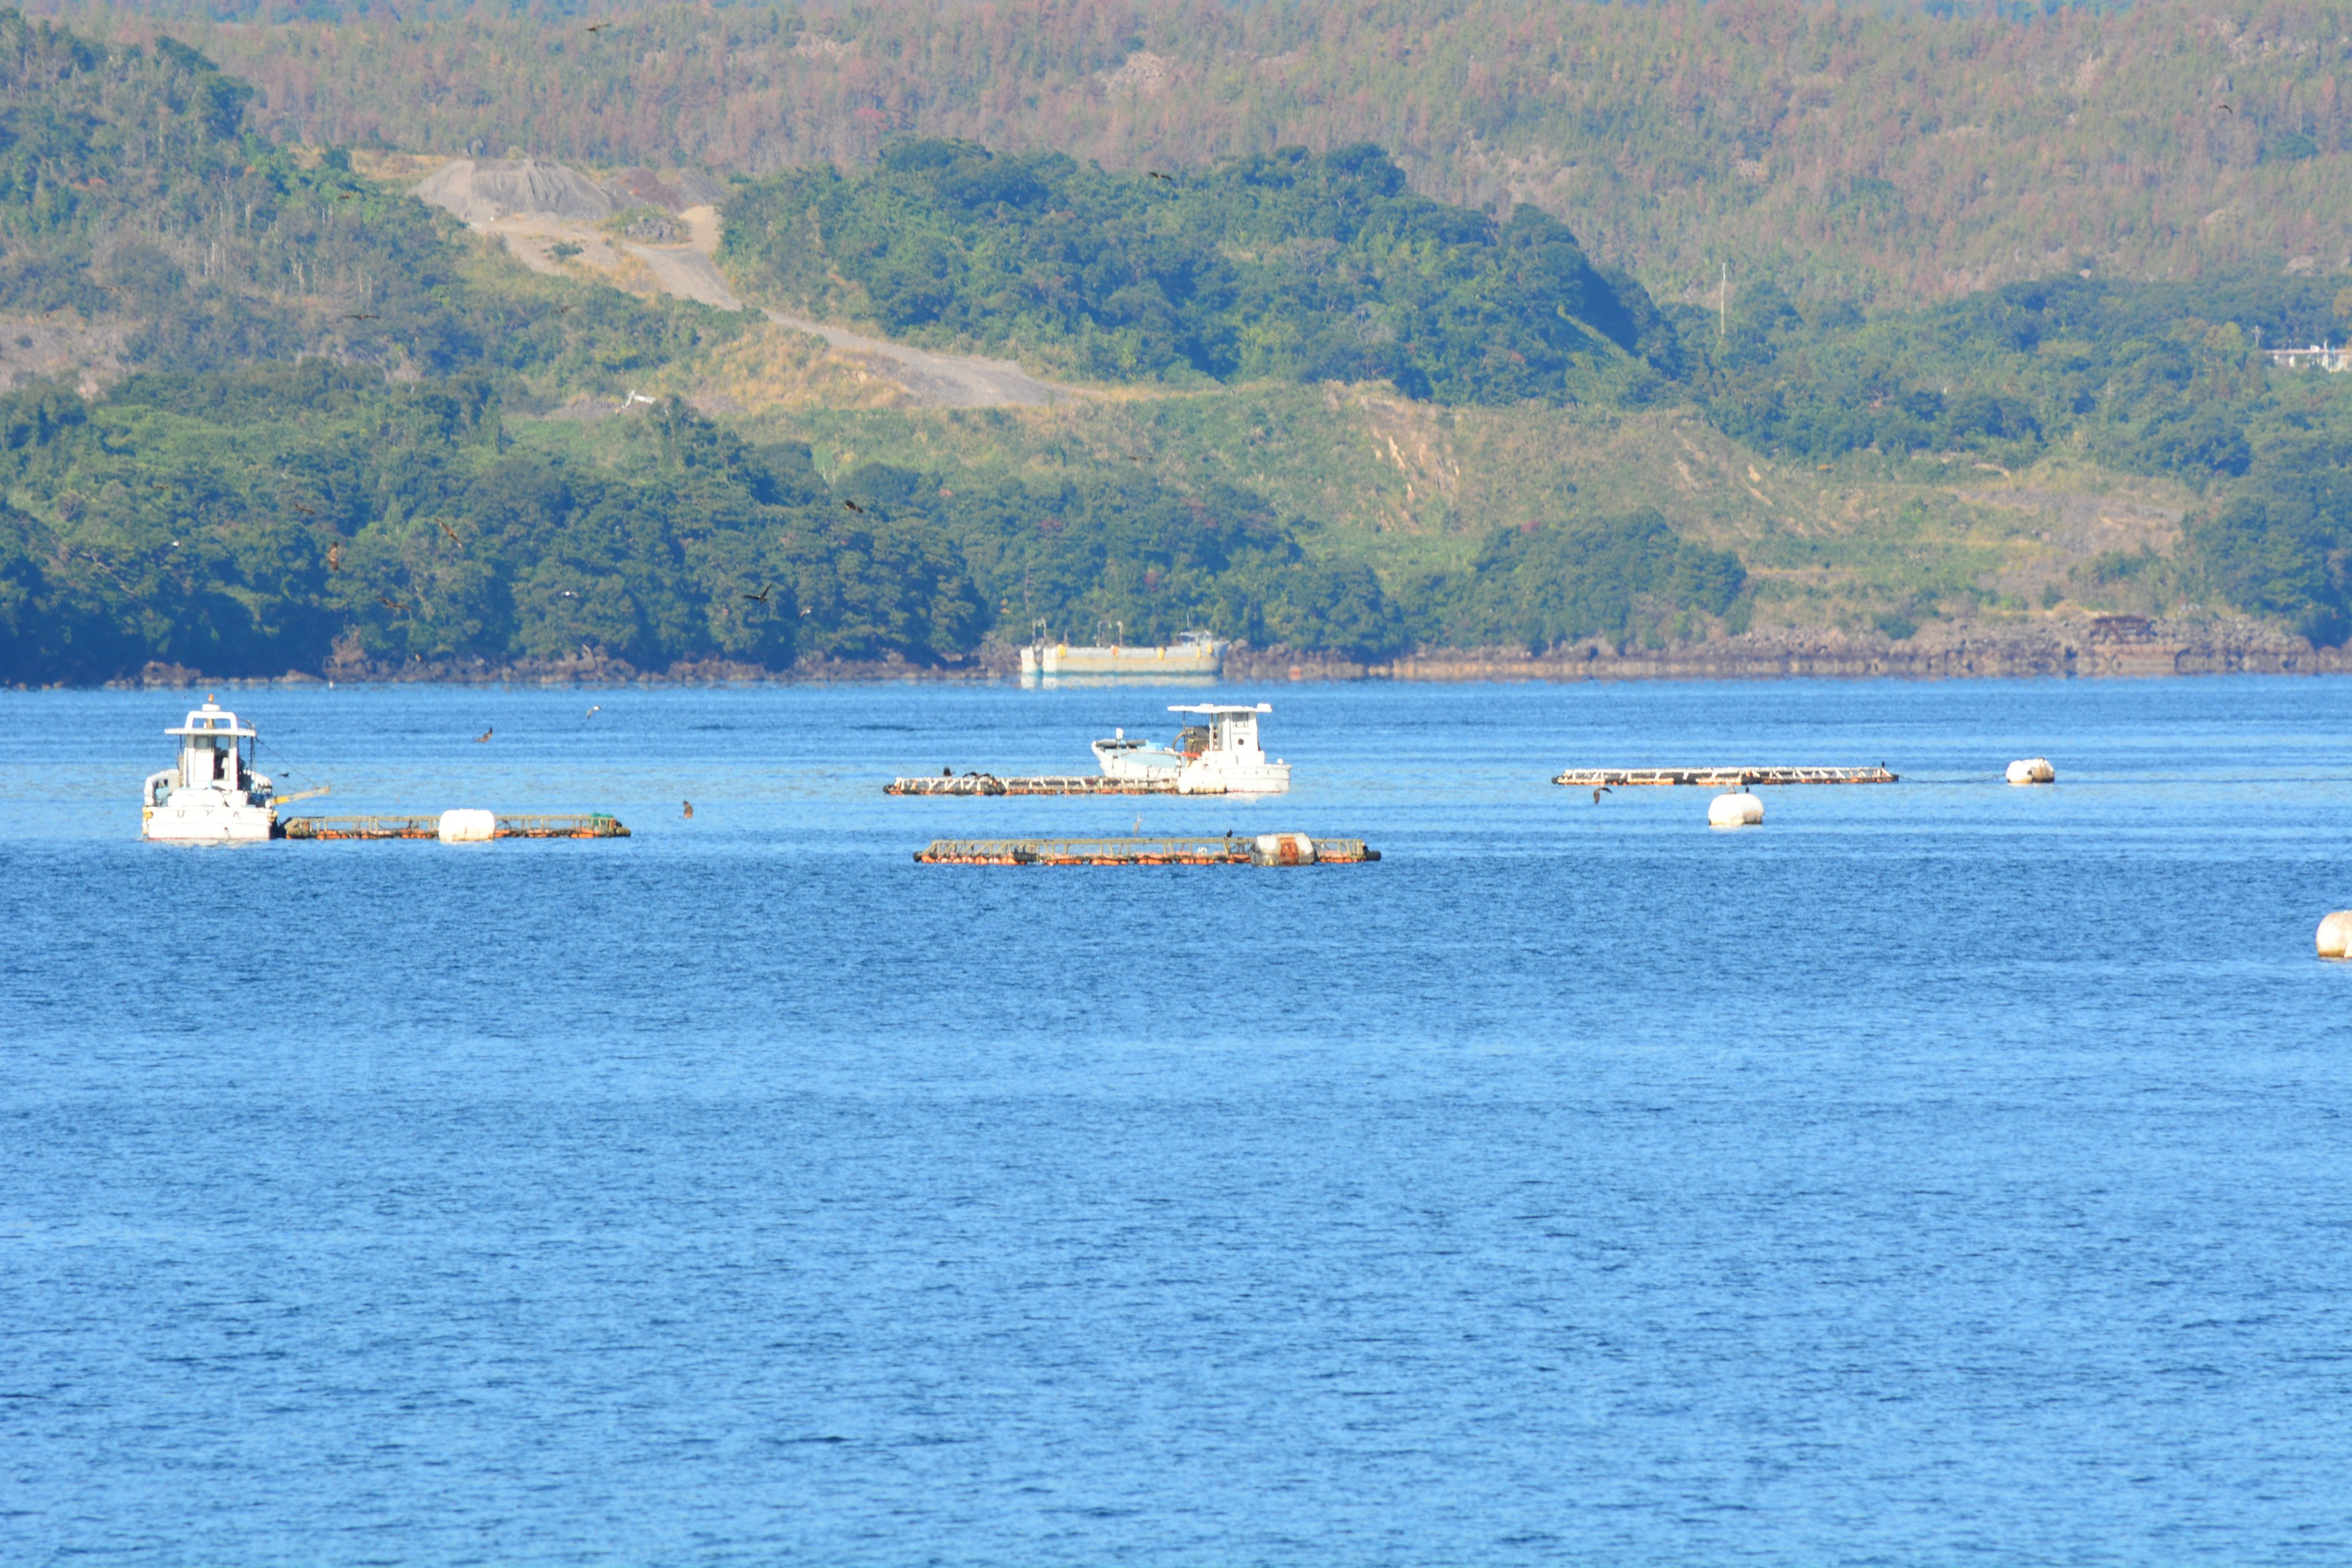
(1284, 849)
(2336, 935)
(1738, 809)
(2033, 771)
(467, 826)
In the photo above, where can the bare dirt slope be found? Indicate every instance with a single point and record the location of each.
(532, 205)
(484, 190)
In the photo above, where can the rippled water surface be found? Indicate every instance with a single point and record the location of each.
(1943, 1173)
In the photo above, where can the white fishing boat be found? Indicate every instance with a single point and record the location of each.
(213, 796)
(1222, 753)
(1125, 756)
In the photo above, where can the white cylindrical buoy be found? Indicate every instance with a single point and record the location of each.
(2033, 771)
(2336, 935)
(1284, 849)
(1738, 809)
(467, 826)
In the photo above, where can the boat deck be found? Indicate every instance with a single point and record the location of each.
(1723, 778)
(1046, 784)
(594, 826)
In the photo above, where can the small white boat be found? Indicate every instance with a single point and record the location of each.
(1125, 756)
(1222, 754)
(213, 796)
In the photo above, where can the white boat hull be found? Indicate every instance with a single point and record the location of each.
(1248, 778)
(208, 821)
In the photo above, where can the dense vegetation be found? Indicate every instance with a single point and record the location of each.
(1294, 267)
(403, 522)
(1888, 154)
(396, 522)
(319, 458)
(336, 442)
(2153, 378)
(130, 191)
(1283, 266)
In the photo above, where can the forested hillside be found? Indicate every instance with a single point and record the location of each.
(132, 191)
(1283, 266)
(335, 446)
(1886, 155)
(1294, 267)
(354, 431)
(271, 518)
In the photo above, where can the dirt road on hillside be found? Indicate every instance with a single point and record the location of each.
(938, 381)
(533, 205)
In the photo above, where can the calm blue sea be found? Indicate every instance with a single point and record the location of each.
(1941, 1174)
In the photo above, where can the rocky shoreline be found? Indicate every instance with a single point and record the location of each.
(2110, 645)
(2106, 646)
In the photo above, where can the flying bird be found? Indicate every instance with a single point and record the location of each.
(387, 604)
(598, 27)
(595, 709)
(2227, 110)
(1604, 789)
(362, 316)
(484, 736)
(1158, 175)
(305, 510)
(690, 809)
(852, 506)
(452, 534)
(762, 596)
(334, 558)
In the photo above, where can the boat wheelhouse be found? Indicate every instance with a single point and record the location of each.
(1222, 753)
(212, 795)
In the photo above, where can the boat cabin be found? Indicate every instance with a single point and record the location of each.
(216, 752)
(1227, 727)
